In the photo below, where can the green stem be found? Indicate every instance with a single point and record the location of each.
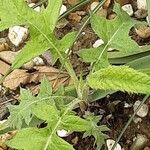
(70, 107)
(129, 121)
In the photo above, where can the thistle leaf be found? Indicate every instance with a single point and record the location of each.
(36, 139)
(23, 111)
(120, 78)
(95, 130)
(115, 33)
(40, 24)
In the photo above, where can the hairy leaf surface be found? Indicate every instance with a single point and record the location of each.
(120, 78)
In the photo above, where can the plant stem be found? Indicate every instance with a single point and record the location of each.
(80, 31)
(129, 121)
(70, 107)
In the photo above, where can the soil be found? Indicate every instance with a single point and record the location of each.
(115, 115)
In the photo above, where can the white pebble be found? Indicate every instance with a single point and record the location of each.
(83, 33)
(147, 19)
(110, 144)
(141, 4)
(126, 105)
(140, 142)
(38, 61)
(128, 9)
(18, 35)
(38, 8)
(137, 120)
(93, 5)
(63, 9)
(62, 133)
(98, 43)
(143, 110)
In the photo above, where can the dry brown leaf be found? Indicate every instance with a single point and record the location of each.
(102, 12)
(123, 2)
(4, 47)
(72, 2)
(5, 137)
(4, 67)
(8, 56)
(107, 4)
(22, 77)
(74, 17)
(16, 78)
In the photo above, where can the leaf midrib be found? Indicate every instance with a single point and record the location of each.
(41, 32)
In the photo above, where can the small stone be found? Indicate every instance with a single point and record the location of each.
(141, 14)
(140, 142)
(28, 65)
(128, 9)
(94, 5)
(126, 105)
(38, 61)
(17, 35)
(137, 120)
(147, 148)
(8, 56)
(63, 9)
(143, 32)
(62, 133)
(38, 8)
(141, 4)
(83, 33)
(98, 43)
(111, 16)
(148, 20)
(3, 45)
(110, 144)
(143, 110)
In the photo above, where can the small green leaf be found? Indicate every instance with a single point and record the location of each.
(120, 78)
(75, 123)
(46, 112)
(115, 32)
(95, 130)
(36, 139)
(21, 112)
(45, 88)
(63, 45)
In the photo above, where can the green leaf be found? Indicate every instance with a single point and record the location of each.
(115, 32)
(52, 12)
(41, 26)
(95, 130)
(75, 123)
(36, 139)
(120, 78)
(23, 111)
(46, 112)
(45, 88)
(63, 45)
(91, 55)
